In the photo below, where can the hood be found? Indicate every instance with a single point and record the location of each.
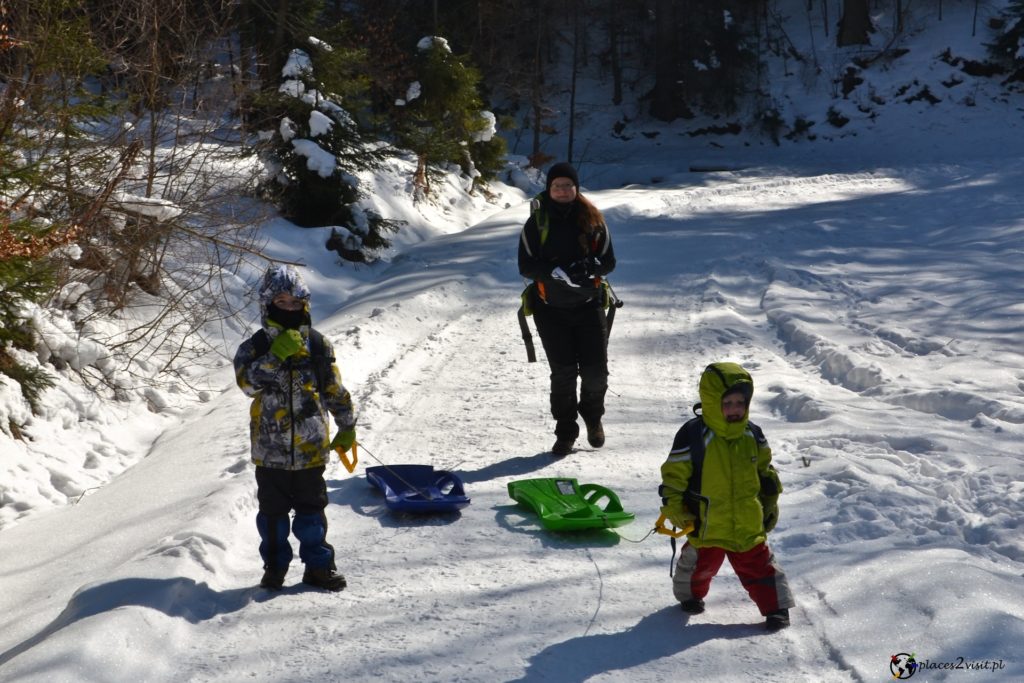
(280, 279)
(717, 379)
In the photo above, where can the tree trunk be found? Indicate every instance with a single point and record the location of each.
(663, 101)
(613, 51)
(278, 52)
(576, 37)
(855, 24)
(538, 80)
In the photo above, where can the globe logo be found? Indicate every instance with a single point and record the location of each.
(902, 665)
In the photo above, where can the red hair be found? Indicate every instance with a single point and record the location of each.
(591, 223)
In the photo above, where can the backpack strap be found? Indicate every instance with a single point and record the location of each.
(698, 435)
(693, 432)
(611, 302)
(527, 337)
(540, 216)
(321, 361)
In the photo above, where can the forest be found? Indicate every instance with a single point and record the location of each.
(125, 126)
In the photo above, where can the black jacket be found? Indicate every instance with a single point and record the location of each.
(561, 248)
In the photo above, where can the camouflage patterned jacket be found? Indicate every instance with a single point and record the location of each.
(288, 416)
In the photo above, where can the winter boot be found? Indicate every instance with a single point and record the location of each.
(595, 433)
(692, 606)
(776, 621)
(566, 432)
(563, 446)
(324, 577)
(273, 579)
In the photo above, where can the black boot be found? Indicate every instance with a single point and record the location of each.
(324, 577)
(563, 446)
(776, 621)
(273, 579)
(566, 432)
(595, 433)
(692, 606)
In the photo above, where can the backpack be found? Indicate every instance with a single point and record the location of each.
(695, 434)
(317, 350)
(535, 290)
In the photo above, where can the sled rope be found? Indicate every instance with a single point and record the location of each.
(660, 527)
(634, 540)
(392, 471)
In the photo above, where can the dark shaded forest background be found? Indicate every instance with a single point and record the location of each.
(126, 128)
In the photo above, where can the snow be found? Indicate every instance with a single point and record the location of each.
(428, 42)
(298, 64)
(287, 129)
(318, 160)
(413, 92)
(870, 280)
(319, 123)
(490, 127)
(153, 207)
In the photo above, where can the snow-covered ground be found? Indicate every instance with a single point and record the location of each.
(872, 282)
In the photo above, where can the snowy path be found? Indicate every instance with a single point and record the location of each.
(898, 449)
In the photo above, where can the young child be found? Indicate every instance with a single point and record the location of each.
(288, 370)
(719, 479)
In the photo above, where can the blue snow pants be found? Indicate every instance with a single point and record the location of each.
(304, 491)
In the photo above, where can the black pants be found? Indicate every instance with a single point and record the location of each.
(281, 491)
(576, 343)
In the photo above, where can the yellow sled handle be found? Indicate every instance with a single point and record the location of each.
(661, 526)
(350, 465)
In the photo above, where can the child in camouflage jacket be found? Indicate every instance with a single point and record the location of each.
(291, 398)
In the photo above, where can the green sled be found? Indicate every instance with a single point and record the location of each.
(564, 505)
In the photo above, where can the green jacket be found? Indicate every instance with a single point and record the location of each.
(737, 482)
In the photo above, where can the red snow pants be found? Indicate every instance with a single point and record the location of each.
(756, 568)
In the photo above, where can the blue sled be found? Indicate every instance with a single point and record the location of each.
(418, 488)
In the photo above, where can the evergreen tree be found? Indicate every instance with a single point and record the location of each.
(1008, 47)
(23, 279)
(441, 117)
(47, 164)
(704, 58)
(269, 29)
(316, 147)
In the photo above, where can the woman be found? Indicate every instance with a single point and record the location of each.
(565, 248)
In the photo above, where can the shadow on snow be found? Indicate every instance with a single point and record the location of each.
(175, 597)
(654, 637)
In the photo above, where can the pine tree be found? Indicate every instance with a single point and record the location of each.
(317, 146)
(45, 56)
(22, 280)
(441, 116)
(1008, 47)
(269, 29)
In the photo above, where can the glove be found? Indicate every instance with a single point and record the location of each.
(287, 344)
(580, 271)
(559, 274)
(676, 513)
(343, 440)
(771, 515)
